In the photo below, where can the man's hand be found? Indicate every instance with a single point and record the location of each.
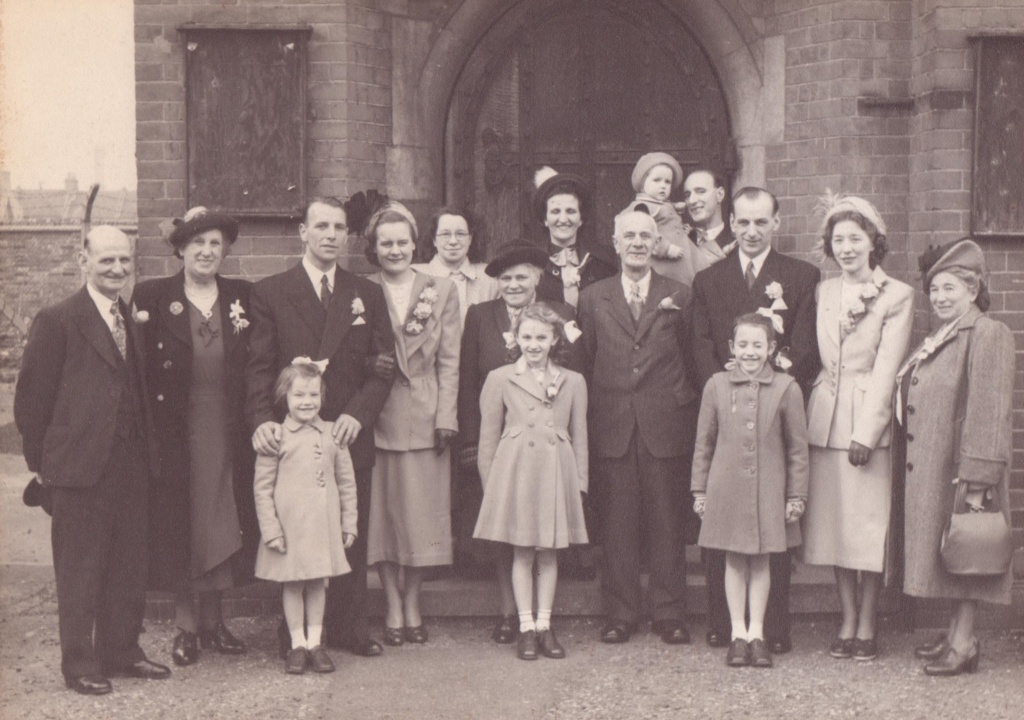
(346, 430)
(443, 438)
(267, 439)
(673, 252)
(348, 539)
(859, 454)
(277, 545)
(383, 365)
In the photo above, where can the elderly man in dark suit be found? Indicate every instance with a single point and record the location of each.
(321, 311)
(755, 278)
(81, 411)
(642, 424)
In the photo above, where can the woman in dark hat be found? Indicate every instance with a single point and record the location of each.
(954, 406)
(203, 530)
(561, 204)
(485, 347)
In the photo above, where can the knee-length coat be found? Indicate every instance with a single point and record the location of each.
(970, 439)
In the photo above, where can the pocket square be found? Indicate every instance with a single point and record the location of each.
(359, 321)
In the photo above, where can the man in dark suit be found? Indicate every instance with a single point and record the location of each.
(318, 310)
(81, 411)
(703, 195)
(755, 278)
(642, 425)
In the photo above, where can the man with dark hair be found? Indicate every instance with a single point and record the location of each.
(703, 197)
(323, 312)
(755, 278)
(81, 411)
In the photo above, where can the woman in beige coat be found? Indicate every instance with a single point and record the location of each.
(410, 500)
(864, 324)
(954, 406)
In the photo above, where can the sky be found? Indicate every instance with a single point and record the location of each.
(67, 92)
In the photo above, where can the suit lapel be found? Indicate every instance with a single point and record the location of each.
(305, 300)
(227, 328)
(414, 342)
(526, 381)
(339, 316)
(657, 292)
(828, 308)
(768, 274)
(618, 308)
(95, 329)
(177, 323)
(401, 352)
(501, 319)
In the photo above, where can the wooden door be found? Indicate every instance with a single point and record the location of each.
(586, 88)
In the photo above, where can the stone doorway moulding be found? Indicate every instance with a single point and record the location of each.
(431, 59)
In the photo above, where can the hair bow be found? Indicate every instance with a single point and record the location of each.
(320, 365)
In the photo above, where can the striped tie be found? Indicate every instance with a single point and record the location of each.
(120, 336)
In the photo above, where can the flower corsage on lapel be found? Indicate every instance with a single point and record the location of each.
(237, 321)
(867, 293)
(139, 316)
(510, 340)
(668, 303)
(358, 309)
(774, 293)
(423, 309)
(552, 389)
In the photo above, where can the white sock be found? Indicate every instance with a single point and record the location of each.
(756, 631)
(313, 633)
(740, 633)
(298, 639)
(526, 623)
(543, 620)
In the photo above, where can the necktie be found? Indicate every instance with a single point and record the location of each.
(702, 236)
(749, 275)
(120, 336)
(325, 292)
(636, 303)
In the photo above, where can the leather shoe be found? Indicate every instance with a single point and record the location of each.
(841, 648)
(717, 639)
(221, 640)
(865, 649)
(672, 632)
(526, 648)
(297, 661)
(615, 633)
(506, 631)
(144, 670)
(363, 646)
(932, 650)
(320, 661)
(759, 655)
(185, 650)
(394, 637)
(780, 646)
(955, 663)
(739, 653)
(416, 635)
(549, 645)
(89, 685)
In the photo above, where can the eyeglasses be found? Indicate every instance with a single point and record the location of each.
(459, 235)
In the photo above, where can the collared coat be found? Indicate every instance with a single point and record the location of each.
(971, 440)
(749, 459)
(533, 458)
(424, 396)
(480, 287)
(307, 495)
(851, 399)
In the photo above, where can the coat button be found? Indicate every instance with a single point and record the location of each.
(159, 346)
(530, 443)
(530, 424)
(749, 447)
(751, 471)
(636, 370)
(547, 405)
(406, 383)
(913, 381)
(636, 347)
(753, 386)
(751, 404)
(910, 467)
(550, 424)
(551, 442)
(167, 365)
(530, 407)
(159, 398)
(910, 438)
(910, 409)
(750, 426)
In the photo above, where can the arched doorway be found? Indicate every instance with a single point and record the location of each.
(585, 88)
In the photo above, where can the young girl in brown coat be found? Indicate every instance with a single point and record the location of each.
(749, 477)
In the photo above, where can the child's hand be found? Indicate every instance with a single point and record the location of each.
(699, 505)
(680, 207)
(348, 538)
(277, 545)
(794, 509)
(673, 252)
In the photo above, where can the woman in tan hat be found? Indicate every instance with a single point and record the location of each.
(203, 530)
(954, 401)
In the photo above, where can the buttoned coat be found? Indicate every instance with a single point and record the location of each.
(970, 439)
(851, 399)
(289, 322)
(532, 458)
(307, 495)
(720, 295)
(167, 338)
(599, 266)
(424, 396)
(638, 372)
(750, 457)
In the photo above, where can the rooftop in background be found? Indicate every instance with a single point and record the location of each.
(66, 206)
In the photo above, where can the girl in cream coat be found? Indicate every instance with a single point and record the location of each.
(864, 326)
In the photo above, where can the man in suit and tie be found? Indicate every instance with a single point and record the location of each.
(321, 311)
(703, 195)
(81, 411)
(642, 425)
(755, 278)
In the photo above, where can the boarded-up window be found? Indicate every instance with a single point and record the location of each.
(245, 119)
(997, 203)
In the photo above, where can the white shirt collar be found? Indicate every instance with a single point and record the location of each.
(757, 261)
(315, 275)
(103, 304)
(713, 233)
(644, 284)
(439, 269)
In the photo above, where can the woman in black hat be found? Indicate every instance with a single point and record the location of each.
(485, 347)
(561, 204)
(203, 532)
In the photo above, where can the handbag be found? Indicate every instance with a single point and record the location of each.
(976, 543)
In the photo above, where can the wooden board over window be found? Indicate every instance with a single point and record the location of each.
(245, 119)
(997, 202)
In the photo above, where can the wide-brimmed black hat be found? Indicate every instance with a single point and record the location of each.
(555, 183)
(198, 220)
(519, 252)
